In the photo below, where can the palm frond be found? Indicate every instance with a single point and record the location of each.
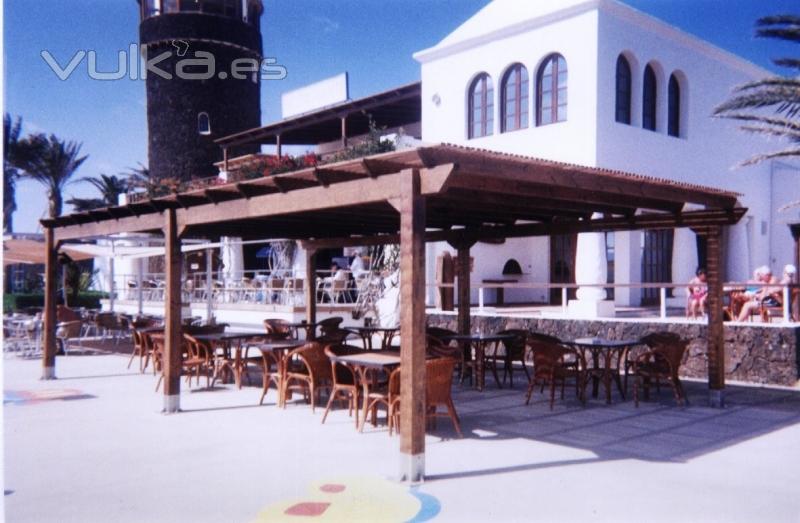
(781, 27)
(771, 156)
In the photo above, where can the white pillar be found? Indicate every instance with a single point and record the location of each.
(139, 282)
(684, 264)
(627, 267)
(209, 285)
(591, 268)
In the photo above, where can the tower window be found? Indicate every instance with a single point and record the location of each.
(203, 124)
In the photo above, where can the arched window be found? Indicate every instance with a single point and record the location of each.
(623, 90)
(552, 90)
(203, 124)
(515, 99)
(481, 106)
(649, 99)
(674, 111)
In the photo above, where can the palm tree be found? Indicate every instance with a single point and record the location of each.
(54, 167)
(12, 129)
(780, 93)
(110, 188)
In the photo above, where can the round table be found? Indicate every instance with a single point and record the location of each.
(479, 342)
(388, 334)
(609, 353)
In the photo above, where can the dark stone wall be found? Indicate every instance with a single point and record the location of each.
(176, 149)
(755, 354)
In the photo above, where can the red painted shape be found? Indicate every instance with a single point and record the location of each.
(332, 488)
(307, 509)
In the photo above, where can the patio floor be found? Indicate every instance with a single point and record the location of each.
(93, 446)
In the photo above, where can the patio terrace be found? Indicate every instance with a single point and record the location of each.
(103, 451)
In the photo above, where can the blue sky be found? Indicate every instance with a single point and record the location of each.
(313, 39)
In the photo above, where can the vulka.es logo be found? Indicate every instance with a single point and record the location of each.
(136, 64)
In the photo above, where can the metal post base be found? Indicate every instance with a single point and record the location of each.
(49, 373)
(172, 404)
(412, 468)
(716, 398)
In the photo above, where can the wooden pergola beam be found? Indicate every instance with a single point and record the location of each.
(142, 223)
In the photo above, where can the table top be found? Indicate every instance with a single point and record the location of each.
(377, 329)
(371, 359)
(603, 343)
(479, 337)
(280, 345)
(302, 324)
(232, 335)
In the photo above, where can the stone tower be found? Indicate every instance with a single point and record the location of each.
(200, 83)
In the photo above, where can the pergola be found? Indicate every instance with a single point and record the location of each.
(432, 193)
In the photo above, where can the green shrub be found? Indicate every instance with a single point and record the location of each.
(15, 302)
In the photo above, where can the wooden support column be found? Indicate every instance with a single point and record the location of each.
(462, 247)
(225, 159)
(278, 146)
(412, 328)
(344, 132)
(50, 298)
(716, 335)
(172, 316)
(795, 228)
(311, 286)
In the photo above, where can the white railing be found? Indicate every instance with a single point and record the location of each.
(663, 294)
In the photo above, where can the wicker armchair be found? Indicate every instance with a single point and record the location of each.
(309, 370)
(554, 364)
(138, 348)
(329, 324)
(447, 348)
(662, 362)
(514, 350)
(388, 396)
(277, 329)
(438, 391)
(345, 381)
(336, 337)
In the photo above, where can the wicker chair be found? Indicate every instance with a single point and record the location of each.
(345, 381)
(138, 348)
(277, 329)
(662, 362)
(309, 371)
(336, 337)
(438, 391)
(329, 324)
(388, 396)
(514, 350)
(196, 358)
(554, 364)
(447, 348)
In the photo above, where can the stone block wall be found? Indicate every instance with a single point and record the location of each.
(753, 353)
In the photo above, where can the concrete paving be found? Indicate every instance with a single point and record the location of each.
(93, 446)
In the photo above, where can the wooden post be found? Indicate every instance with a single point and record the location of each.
(225, 160)
(172, 316)
(463, 288)
(412, 328)
(209, 285)
(139, 282)
(716, 335)
(311, 287)
(50, 298)
(795, 228)
(344, 132)
(278, 146)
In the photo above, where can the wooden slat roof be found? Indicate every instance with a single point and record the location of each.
(463, 187)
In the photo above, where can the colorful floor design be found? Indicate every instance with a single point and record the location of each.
(354, 500)
(32, 397)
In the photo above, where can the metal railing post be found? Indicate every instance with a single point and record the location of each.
(480, 298)
(564, 303)
(787, 305)
(662, 297)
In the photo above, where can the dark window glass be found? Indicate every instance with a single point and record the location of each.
(623, 99)
(552, 90)
(203, 123)
(656, 263)
(515, 99)
(481, 107)
(649, 99)
(674, 99)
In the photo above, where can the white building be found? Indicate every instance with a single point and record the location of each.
(597, 83)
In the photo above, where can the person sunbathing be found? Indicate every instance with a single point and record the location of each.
(768, 295)
(698, 293)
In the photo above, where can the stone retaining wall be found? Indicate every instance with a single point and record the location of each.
(755, 354)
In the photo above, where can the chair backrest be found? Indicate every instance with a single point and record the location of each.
(439, 333)
(438, 380)
(196, 348)
(342, 373)
(277, 328)
(547, 356)
(330, 324)
(64, 313)
(137, 339)
(107, 320)
(194, 330)
(438, 348)
(312, 354)
(667, 347)
(70, 329)
(515, 345)
(543, 337)
(336, 336)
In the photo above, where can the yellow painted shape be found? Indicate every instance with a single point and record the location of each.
(363, 499)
